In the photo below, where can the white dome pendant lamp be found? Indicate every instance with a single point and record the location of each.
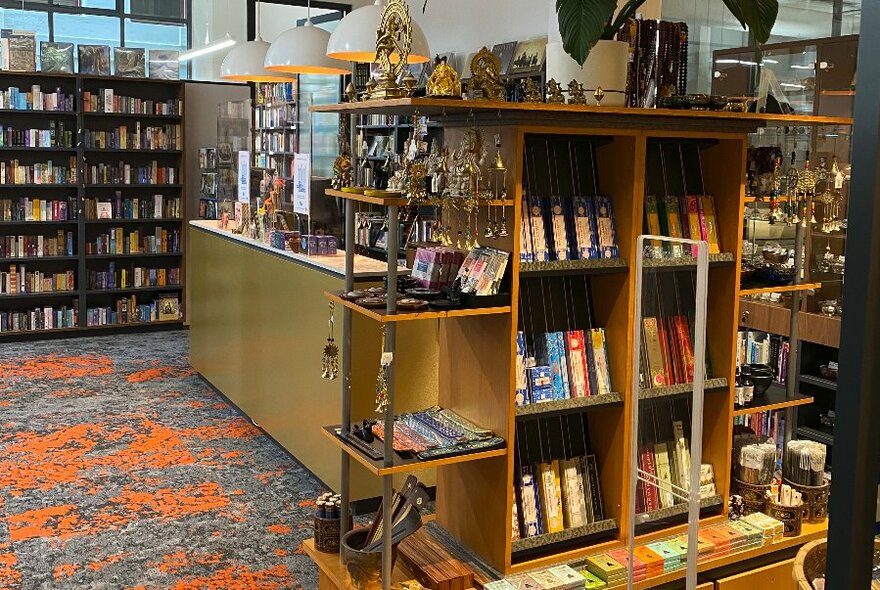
(354, 38)
(303, 50)
(244, 63)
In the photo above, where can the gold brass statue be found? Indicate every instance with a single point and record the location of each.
(554, 92)
(444, 82)
(351, 92)
(342, 169)
(599, 95)
(409, 82)
(576, 93)
(530, 91)
(394, 36)
(485, 80)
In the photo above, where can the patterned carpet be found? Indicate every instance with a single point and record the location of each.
(120, 468)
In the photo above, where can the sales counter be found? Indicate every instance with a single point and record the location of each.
(258, 325)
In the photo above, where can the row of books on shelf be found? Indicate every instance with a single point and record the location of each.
(14, 172)
(273, 142)
(668, 464)
(692, 217)
(561, 365)
(55, 136)
(765, 425)
(756, 347)
(272, 92)
(127, 310)
(27, 209)
(19, 280)
(158, 137)
(29, 246)
(563, 228)
(40, 318)
(106, 101)
(380, 119)
(667, 351)
(651, 559)
(116, 241)
(133, 277)
(128, 174)
(558, 495)
(151, 207)
(274, 116)
(17, 99)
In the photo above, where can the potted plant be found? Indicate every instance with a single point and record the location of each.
(586, 49)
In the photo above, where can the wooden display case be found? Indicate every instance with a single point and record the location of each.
(477, 352)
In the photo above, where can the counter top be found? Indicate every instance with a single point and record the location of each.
(364, 268)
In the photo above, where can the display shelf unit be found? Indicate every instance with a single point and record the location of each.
(85, 230)
(486, 345)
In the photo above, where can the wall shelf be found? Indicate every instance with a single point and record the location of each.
(573, 267)
(775, 398)
(565, 406)
(819, 382)
(380, 315)
(654, 393)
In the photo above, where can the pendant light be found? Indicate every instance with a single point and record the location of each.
(245, 62)
(354, 38)
(303, 50)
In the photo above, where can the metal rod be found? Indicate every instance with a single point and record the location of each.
(634, 412)
(390, 341)
(387, 525)
(345, 475)
(794, 345)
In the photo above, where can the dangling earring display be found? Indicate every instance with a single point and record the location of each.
(382, 379)
(330, 358)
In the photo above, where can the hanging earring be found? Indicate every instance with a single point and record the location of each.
(330, 358)
(382, 379)
(502, 231)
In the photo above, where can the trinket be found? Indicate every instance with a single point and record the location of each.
(485, 82)
(530, 91)
(599, 95)
(554, 92)
(330, 357)
(576, 93)
(393, 44)
(444, 82)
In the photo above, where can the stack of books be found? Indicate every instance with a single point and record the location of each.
(558, 495)
(691, 217)
(667, 351)
(576, 228)
(765, 349)
(561, 365)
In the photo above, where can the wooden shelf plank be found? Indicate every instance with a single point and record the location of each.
(32, 259)
(130, 186)
(380, 315)
(41, 113)
(134, 290)
(138, 255)
(474, 108)
(823, 435)
(33, 185)
(775, 398)
(647, 518)
(132, 115)
(139, 220)
(651, 393)
(20, 222)
(783, 289)
(819, 382)
(689, 261)
(583, 535)
(131, 151)
(53, 294)
(400, 201)
(402, 465)
(573, 267)
(565, 406)
(56, 149)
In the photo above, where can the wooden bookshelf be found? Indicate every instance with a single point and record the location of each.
(85, 230)
(477, 375)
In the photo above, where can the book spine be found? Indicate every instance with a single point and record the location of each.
(551, 496)
(600, 360)
(595, 488)
(577, 364)
(654, 353)
(652, 498)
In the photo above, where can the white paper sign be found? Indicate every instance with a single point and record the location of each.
(244, 177)
(302, 182)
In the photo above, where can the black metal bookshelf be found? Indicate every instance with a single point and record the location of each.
(86, 230)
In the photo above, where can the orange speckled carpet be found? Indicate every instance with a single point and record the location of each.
(120, 468)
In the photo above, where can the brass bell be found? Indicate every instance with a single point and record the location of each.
(499, 162)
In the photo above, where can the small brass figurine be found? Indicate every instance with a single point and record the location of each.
(554, 92)
(530, 91)
(409, 82)
(485, 77)
(351, 92)
(393, 44)
(342, 170)
(371, 86)
(444, 82)
(576, 93)
(599, 95)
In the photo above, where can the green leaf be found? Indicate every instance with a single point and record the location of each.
(581, 23)
(758, 16)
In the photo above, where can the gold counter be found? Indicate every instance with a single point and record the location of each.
(258, 324)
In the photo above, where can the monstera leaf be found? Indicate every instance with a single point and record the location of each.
(583, 22)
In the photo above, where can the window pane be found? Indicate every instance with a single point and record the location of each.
(157, 8)
(105, 4)
(88, 29)
(26, 20)
(156, 36)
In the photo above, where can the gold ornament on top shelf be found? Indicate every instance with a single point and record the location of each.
(530, 91)
(394, 36)
(554, 92)
(485, 82)
(444, 81)
(599, 95)
(351, 92)
(576, 93)
(409, 82)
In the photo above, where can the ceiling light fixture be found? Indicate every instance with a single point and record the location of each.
(303, 50)
(354, 38)
(245, 62)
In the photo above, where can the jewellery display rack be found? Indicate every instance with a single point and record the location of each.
(83, 227)
(485, 346)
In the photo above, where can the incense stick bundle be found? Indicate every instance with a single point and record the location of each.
(757, 463)
(804, 462)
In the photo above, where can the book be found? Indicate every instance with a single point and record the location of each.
(652, 226)
(130, 62)
(695, 229)
(572, 493)
(682, 453)
(94, 60)
(664, 475)
(528, 494)
(540, 380)
(656, 369)
(169, 308)
(536, 225)
(552, 349)
(19, 50)
(591, 471)
(605, 228)
(671, 211)
(709, 223)
(56, 58)
(584, 224)
(664, 349)
(558, 224)
(579, 382)
(164, 64)
(522, 384)
(600, 360)
(551, 496)
(650, 492)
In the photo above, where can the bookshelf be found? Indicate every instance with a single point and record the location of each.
(477, 372)
(123, 138)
